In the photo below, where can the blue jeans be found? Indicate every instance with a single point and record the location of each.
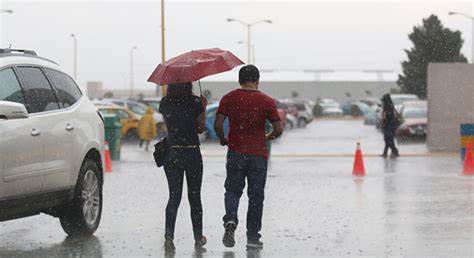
(254, 168)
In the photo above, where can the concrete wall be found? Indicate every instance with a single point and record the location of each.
(450, 103)
(310, 90)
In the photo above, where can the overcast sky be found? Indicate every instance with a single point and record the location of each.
(304, 35)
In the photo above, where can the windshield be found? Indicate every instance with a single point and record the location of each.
(415, 113)
(137, 108)
(400, 100)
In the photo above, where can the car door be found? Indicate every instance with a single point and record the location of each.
(21, 143)
(57, 140)
(61, 138)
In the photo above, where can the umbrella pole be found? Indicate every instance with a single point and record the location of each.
(200, 89)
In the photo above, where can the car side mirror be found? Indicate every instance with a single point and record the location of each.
(12, 110)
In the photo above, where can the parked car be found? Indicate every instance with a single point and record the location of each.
(329, 107)
(139, 110)
(305, 111)
(210, 133)
(152, 102)
(290, 120)
(371, 102)
(128, 119)
(415, 120)
(399, 99)
(51, 145)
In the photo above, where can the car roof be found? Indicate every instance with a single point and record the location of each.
(415, 104)
(152, 99)
(7, 59)
(100, 106)
(403, 96)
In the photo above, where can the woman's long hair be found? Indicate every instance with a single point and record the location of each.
(387, 104)
(180, 93)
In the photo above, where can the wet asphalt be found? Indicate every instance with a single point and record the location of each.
(416, 205)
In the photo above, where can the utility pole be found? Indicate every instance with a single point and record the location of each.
(74, 55)
(163, 49)
(131, 71)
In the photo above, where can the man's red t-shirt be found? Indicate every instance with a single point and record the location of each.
(247, 111)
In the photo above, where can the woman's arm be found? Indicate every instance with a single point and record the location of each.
(201, 122)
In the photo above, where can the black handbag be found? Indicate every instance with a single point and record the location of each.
(159, 154)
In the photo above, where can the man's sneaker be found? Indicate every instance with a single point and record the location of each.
(169, 245)
(201, 242)
(228, 239)
(254, 244)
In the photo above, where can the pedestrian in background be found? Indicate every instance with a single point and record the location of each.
(247, 110)
(390, 122)
(147, 128)
(184, 115)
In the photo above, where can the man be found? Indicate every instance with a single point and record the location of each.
(247, 110)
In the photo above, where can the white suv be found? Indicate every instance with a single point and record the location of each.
(51, 145)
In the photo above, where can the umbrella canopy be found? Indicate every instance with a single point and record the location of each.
(194, 65)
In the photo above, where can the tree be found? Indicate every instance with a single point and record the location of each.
(432, 43)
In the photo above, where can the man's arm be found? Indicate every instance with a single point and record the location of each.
(276, 131)
(219, 128)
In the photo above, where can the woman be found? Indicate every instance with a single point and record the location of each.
(390, 122)
(147, 128)
(184, 115)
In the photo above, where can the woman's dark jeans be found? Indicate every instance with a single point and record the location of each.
(180, 161)
(389, 138)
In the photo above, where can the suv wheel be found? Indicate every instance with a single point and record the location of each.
(302, 122)
(83, 214)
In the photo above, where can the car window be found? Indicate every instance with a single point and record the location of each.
(415, 113)
(122, 114)
(67, 91)
(137, 109)
(39, 95)
(120, 103)
(10, 89)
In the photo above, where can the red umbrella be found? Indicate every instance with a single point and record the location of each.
(194, 65)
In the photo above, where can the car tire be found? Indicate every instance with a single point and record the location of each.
(82, 216)
(302, 122)
(288, 125)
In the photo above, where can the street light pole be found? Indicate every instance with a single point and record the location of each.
(131, 70)
(249, 27)
(472, 30)
(8, 11)
(163, 49)
(253, 50)
(74, 38)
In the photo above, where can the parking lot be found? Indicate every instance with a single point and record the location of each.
(416, 205)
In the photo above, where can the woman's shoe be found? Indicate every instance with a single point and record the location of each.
(383, 156)
(169, 245)
(201, 242)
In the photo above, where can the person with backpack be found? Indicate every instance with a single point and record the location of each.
(247, 110)
(390, 122)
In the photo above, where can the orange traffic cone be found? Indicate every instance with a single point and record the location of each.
(468, 160)
(359, 168)
(108, 162)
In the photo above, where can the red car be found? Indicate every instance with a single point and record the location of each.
(415, 120)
